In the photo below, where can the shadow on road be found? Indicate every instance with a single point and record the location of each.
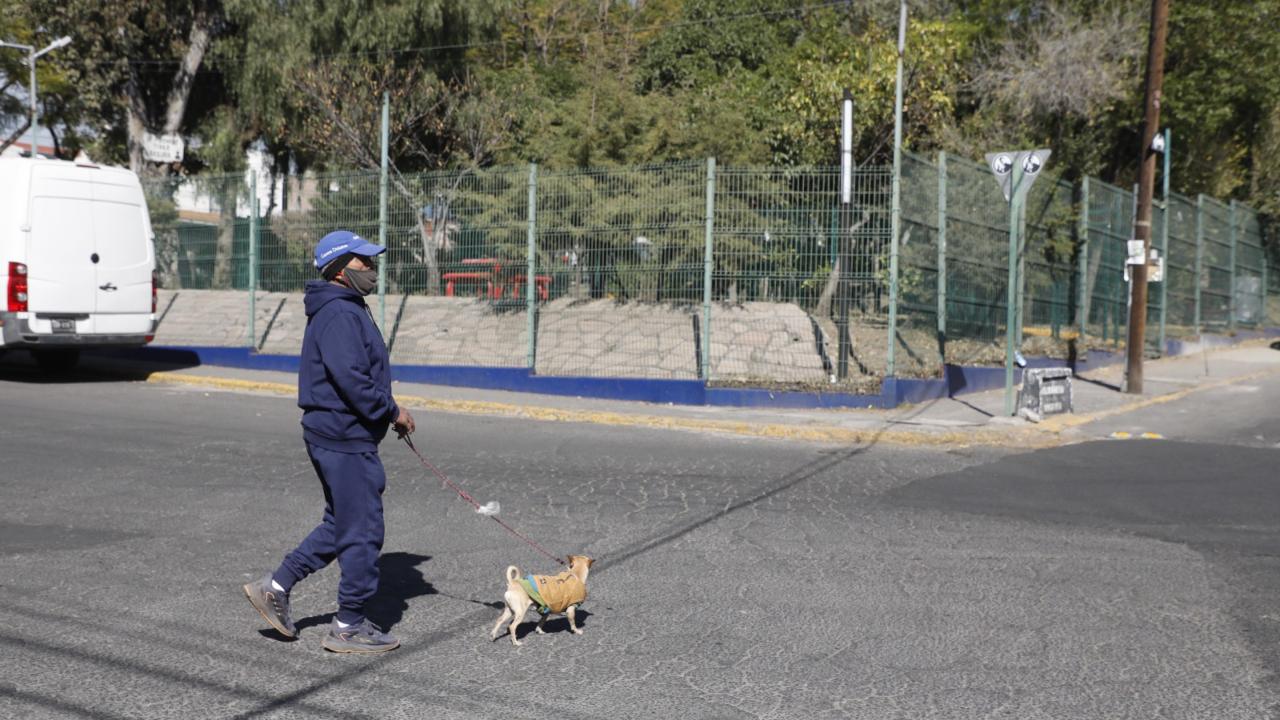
(94, 366)
(399, 581)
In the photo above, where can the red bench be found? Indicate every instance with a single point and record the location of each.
(541, 283)
(477, 277)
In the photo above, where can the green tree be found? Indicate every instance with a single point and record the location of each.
(136, 67)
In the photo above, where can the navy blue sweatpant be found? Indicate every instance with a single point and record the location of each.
(351, 530)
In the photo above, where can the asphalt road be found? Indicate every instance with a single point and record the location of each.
(735, 577)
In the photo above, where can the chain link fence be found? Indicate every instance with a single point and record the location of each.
(753, 276)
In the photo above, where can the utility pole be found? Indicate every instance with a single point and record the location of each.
(1146, 187)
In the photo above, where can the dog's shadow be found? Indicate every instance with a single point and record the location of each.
(399, 581)
(556, 624)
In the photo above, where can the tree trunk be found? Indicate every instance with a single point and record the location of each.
(823, 308)
(136, 127)
(198, 40)
(222, 270)
(184, 78)
(431, 242)
(17, 133)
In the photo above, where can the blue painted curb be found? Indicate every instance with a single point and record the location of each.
(957, 379)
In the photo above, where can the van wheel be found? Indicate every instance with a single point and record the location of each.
(57, 360)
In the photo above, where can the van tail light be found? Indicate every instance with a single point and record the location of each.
(17, 293)
(154, 304)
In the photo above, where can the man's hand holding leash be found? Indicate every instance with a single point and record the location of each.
(404, 424)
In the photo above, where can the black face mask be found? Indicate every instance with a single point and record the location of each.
(362, 281)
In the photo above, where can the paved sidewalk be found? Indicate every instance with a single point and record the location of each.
(967, 419)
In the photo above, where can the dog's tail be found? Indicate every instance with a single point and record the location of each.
(513, 572)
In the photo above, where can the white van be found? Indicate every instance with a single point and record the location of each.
(76, 259)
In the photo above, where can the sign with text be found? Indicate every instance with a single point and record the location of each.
(162, 148)
(1045, 391)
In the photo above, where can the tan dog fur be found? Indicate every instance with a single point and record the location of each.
(517, 601)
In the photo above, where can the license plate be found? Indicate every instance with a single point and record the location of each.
(64, 326)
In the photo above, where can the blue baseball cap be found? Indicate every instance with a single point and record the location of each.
(341, 242)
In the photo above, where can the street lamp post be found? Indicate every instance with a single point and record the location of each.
(32, 54)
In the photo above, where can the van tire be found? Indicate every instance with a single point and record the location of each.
(56, 360)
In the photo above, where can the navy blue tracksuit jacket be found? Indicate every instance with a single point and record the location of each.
(344, 390)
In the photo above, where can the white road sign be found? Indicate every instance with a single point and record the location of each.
(1003, 163)
(162, 148)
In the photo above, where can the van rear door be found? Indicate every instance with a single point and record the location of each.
(60, 269)
(90, 253)
(123, 244)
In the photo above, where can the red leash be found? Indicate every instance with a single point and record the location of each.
(463, 494)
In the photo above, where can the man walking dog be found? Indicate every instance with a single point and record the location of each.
(344, 390)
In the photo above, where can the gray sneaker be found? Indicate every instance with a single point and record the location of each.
(273, 604)
(363, 638)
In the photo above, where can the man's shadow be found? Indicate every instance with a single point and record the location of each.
(399, 581)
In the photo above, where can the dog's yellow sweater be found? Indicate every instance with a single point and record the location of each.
(560, 591)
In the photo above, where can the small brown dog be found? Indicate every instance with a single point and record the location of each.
(551, 593)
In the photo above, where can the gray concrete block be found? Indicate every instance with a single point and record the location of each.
(459, 331)
(763, 342)
(604, 338)
(212, 318)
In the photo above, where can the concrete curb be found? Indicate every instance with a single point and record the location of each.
(1046, 434)
(1027, 437)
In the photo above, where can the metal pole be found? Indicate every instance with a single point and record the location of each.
(1199, 255)
(1266, 316)
(382, 217)
(1082, 311)
(896, 218)
(253, 259)
(1146, 181)
(1164, 243)
(707, 258)
(1231, 286)
(1022, 274)
(1011, 295)
(531, 267)
(843, 242)
(32, 129)
(1266, 262)
(942, 258)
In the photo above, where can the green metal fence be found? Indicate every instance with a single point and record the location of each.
(1181, 280)
(736, 275)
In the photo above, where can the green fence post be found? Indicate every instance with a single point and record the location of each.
(531, 267)
(707, 259)
(253, 259)
(1266, 314)
(1231, 286)
(1164, 243)
(1020, 321)
(942, 258)
(1082, 229)
(382, 219)
(1199, 256)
